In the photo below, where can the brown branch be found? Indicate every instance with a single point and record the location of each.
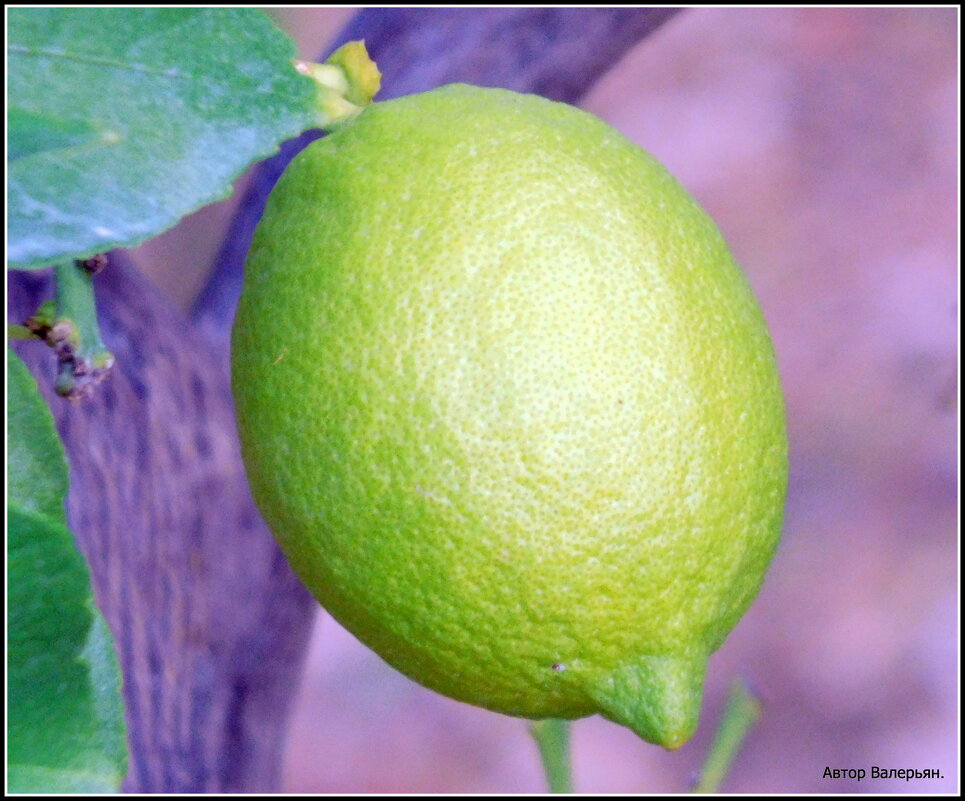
(209, 622)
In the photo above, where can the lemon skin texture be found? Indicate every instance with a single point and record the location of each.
(510, 407)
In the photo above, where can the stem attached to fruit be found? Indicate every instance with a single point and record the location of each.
(345, 84)
(69, 326)
(743, 711)
(553, 739)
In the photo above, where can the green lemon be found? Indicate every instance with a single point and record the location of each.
(510, 407)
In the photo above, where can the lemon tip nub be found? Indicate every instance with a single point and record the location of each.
(658, 697)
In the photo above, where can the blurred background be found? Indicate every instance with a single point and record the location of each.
(824, 142)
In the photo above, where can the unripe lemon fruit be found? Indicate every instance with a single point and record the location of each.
(510, 407)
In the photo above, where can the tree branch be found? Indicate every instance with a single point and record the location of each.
(209, 622)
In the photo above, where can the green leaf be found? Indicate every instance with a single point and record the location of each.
(29, 133)
(36, 466)
(64, 727)
(65, 716)
(123, 120)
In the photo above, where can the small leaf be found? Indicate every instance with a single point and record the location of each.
(64, 709)
(36, 466)
(139, 116)
(64, 731)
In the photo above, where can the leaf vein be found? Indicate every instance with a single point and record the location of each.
(171, 73)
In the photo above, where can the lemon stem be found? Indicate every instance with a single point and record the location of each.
(743, 711)
(553, 740)
(344, 84)
(72, 331)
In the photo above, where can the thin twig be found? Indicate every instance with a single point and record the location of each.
(553, 738)
(743, 711)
